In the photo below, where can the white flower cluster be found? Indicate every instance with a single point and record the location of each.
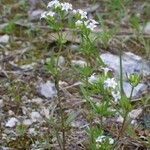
(110, 83)
(84, 21)
(57, 4)
(93, 79)
(106, 70)
(100, 139)
(46, 14)
(66, 7)
(83, 14)
(54, 5)
(116, 95)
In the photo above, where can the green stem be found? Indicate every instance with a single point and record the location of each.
(123, 125)
(57, 78)
(121, 74)
(61, 114)
(131, 92)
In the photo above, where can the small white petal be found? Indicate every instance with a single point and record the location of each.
(93, 21)
(43, 15)
(92, 79)
(100, 139)
(116, 95)
(111, 141)
(54, 3)
(66, 6)
(82, 13)
(74, 12)
(79, 23)
(91, 26)
(50, 13)
(110, 83)
(106, 70)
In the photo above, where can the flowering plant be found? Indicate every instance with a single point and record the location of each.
(61, 16)
(58, 13)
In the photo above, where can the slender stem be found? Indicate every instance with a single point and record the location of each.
(121, 74)
(61, 114)
(131, 92)
(123, 125)
(121, 93)
(91, 128)
(57, 78)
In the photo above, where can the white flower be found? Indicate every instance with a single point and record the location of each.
(111, 141)
(82, 13)
(66, 6)
(116, 95)
(50, 13)
(54, 3)
(79, 23)
(93, 21)
(92, 24)
(92, 79)
(110, 83)
(106, 70)
(134, 122)
(103, 138)
(11, 122)
(86, 22)
(100, 139)
(43, 15)
(74, 11)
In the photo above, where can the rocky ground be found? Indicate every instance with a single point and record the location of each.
(27, 91)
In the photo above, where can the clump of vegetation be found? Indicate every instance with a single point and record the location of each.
(59, 17)
(110, 125)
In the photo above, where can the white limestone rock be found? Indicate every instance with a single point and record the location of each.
(47, 90)
(35, 116)
(4, 39)
(12, 122)
(147, 28)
